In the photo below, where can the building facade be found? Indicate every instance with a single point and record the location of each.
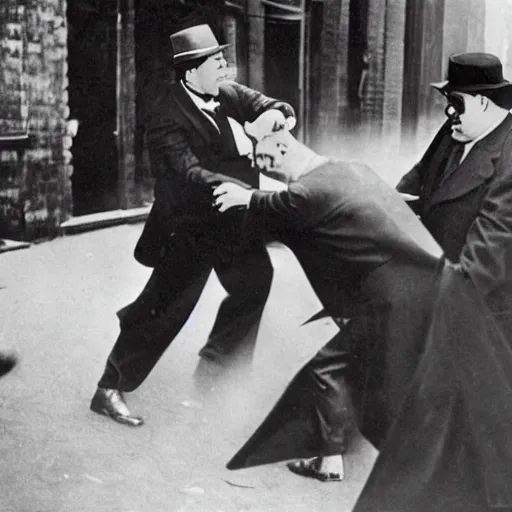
(35, 188)
(357, 72)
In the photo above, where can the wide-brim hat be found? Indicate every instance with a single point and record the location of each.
(473, 73)
(194, 43)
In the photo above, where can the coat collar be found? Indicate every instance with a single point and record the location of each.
(476, 168)
(195, 115)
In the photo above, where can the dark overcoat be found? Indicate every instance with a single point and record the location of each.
(188, 160)
(451, 446)
(449, 206)
(368, 258)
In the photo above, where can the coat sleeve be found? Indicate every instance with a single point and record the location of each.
(487, 253)
(253, 103)
(279, 212)
(410, 183)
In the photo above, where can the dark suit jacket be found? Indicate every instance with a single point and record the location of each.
(342, 222)
(188, 159)
(449, 211)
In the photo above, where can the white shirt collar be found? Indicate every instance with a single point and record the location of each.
(203, 105)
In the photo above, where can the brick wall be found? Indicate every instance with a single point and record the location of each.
(33, 89)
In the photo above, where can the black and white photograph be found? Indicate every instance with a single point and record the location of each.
(256, 256)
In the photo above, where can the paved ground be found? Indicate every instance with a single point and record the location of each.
(57, 309)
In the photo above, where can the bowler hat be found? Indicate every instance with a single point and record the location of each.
(194, 42)
(473, 73)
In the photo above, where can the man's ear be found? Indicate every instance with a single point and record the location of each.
(189, 74)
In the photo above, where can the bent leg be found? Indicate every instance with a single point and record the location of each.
(333, 409)
(314, 416)
(153, 320)
(247, 278)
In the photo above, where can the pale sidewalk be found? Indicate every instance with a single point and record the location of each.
(57, 309)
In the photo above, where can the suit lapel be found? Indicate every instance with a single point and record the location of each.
(196, 117)
(476, 168)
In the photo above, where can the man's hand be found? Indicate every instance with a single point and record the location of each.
(409, 197)
(270, 121)
(229, 195)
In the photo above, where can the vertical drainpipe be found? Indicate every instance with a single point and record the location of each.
(247, 56)
(119, 133)
(302, 72)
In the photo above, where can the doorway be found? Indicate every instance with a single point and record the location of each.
(282, 54)
(92, 55)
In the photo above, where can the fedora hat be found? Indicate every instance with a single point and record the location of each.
(473, 73)
(194, 43)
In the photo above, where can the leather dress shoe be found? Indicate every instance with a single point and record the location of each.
(110, 402)
(311, 468)
(7, 363)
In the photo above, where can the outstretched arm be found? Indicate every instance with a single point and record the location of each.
(273, 211)
(253, 103)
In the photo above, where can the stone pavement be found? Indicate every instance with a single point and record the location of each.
(57, 310)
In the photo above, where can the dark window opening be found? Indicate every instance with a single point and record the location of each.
(282, 47)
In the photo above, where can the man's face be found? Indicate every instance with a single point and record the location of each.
(467, 115)
(210, 73)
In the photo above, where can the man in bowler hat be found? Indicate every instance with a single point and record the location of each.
(196, 141)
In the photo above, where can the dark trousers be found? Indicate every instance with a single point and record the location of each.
(359, 377)
(364, 371)
(325, 381)
(153, 320)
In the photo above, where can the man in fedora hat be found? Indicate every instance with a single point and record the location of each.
(458, 169)
(450, 447)
(196, 141)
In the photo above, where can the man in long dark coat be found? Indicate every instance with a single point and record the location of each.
(454, 176)
(196, 141)
(372, 263)
(451, 445)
